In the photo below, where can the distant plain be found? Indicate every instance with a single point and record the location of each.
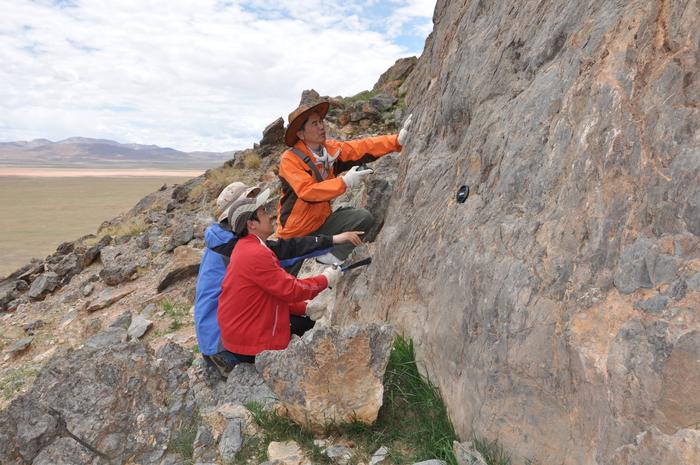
(39, 212)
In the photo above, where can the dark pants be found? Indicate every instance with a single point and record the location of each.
(342, 220)
(298, 325)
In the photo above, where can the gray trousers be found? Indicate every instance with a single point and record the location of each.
(342, 220)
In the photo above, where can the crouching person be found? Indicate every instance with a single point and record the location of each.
(259, 300)
(220, 241)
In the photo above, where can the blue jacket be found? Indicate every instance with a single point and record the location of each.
(211, 274)
(220, 242)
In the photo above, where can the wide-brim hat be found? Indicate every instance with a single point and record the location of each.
(247, 204)
(233, 192)
(298, 117)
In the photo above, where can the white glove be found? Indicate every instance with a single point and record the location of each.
(353, 177)
(315, 311)
(403, 134)
(332, 274)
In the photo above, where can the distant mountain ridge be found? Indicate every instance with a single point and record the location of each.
(87, 152)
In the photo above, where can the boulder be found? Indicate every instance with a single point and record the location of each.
(398, 72)
(43, 285)
(309, 97)
(273, 134)
(138, 327)
(115, 275)
(182, 234)
(575, 125)
(382, 101)
(285, 453)
(185, 264)
(331, 375)
(118, 402)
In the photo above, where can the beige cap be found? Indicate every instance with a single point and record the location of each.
(229, 195)
(245, 205)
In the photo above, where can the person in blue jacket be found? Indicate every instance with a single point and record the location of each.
(220, 240)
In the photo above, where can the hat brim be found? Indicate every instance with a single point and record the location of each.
(290, 135)
(260, 200)
(227, 210)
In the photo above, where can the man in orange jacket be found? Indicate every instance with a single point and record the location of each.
(309, 172)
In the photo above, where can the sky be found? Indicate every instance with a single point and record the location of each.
(192, 75)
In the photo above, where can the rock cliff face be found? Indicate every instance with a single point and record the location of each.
(557, 309)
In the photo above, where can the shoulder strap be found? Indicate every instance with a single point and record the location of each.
(305, 158)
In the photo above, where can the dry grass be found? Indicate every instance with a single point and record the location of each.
(252, 161)
(130, 227)
(222, 177)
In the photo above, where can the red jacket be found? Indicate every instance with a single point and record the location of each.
(257, 296)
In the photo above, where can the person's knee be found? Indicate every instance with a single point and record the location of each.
(366, 219)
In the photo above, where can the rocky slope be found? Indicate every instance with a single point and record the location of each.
(97, 339)
(558, 308)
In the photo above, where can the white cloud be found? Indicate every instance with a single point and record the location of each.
(205, 75)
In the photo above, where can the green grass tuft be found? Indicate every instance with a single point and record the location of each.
(182, 442)
(178, 313)
(15, 379)
(492, 451)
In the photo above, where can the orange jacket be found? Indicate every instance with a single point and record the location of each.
(306, 203)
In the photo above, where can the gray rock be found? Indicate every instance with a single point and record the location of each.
(106, 397)
(43, 285)
(110, 337)
(466, 454)
(139, 326)
(694, 282)
(245, 384)
(64, 451)
(19, 346)
(431, 462)
(654, 304)
(184, 265)
(204, 445)
(677, 290)
(339, 454)
(183, 233)
(273, 134)
(309, 97)
(379, 456)
(231, 440)
(383, 101)
(87, 289)
(113, 276)
(633, 270)
(106, 298)
(331, 374)
(399, 71)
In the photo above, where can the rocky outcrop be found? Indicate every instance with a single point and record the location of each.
(104, 403)
(330, 375)
(553, 307)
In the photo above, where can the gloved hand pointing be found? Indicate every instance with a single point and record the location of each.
(353, 177)
(332, 274)
(403, 134)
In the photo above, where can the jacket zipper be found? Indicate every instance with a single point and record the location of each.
(274, 326)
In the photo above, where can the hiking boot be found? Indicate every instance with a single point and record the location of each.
(328, 259)
(224, 362)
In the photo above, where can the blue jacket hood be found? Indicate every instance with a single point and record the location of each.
(216, 235)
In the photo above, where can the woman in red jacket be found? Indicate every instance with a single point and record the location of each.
(257, 295)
